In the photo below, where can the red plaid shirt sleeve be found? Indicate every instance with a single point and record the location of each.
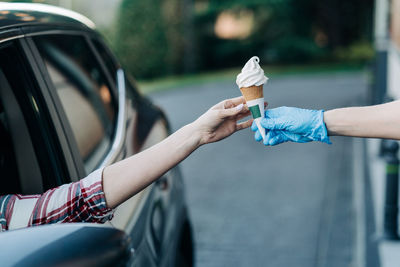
(82, 201)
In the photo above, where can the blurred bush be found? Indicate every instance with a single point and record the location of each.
(150, 37)
(294, 49)
(361, 52)
(141, 41)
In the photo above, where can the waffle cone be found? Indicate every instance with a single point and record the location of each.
(252, 92)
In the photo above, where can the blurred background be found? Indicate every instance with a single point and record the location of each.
(294, 204)
(173, 37)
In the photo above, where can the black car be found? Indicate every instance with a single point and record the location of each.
(66, 109)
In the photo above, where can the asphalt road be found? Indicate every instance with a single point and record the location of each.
(288, 205)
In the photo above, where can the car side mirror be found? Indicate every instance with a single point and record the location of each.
(75, 244)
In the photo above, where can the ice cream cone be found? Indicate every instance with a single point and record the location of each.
(250, 82)
(252, 92)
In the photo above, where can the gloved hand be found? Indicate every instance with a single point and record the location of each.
(276, 137)
(292, 124)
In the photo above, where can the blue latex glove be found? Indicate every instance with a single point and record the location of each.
(276, 137)
(292, 124)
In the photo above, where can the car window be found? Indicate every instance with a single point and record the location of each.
(84, 93)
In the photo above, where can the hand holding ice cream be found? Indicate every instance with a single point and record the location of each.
(250, 82)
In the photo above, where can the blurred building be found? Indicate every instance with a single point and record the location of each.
(102, 12)
(387, 43)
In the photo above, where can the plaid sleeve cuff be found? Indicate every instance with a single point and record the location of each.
(93, 198)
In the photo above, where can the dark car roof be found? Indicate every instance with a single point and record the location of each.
(24, 14)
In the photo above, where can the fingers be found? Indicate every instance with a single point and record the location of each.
(254, 127)
(228, 104)
(231, 107)
(268, 137)
(229, 112)
(271, 138)
(245, 109)
(232, 102)
(238, 100)
(276, 140)
(274, 124)
(243, 125)
(257, 136)
(242, 115)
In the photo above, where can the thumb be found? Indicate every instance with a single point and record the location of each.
(274, 124)
(228, 112)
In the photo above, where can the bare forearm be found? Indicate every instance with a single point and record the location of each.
(380, 121)
(127, 177)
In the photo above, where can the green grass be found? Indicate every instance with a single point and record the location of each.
(179, 82)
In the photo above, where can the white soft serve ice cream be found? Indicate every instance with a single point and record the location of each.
(251, 74)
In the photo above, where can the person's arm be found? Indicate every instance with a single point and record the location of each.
(92, 198)
(380, 121)
(294, 124)
(127, 177)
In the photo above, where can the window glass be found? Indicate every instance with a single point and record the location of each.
(8, 163)
(27, 163)
(84, 93)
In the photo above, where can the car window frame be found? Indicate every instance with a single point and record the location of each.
(115, 149)
(119, 83)
(55, 172)
(75, 168)
(21, 140)
(118, 87)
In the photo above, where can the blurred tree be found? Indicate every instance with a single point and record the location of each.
(178, 17)
(154, 37)
(190, 48)
(141, 42)
(345, 22)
